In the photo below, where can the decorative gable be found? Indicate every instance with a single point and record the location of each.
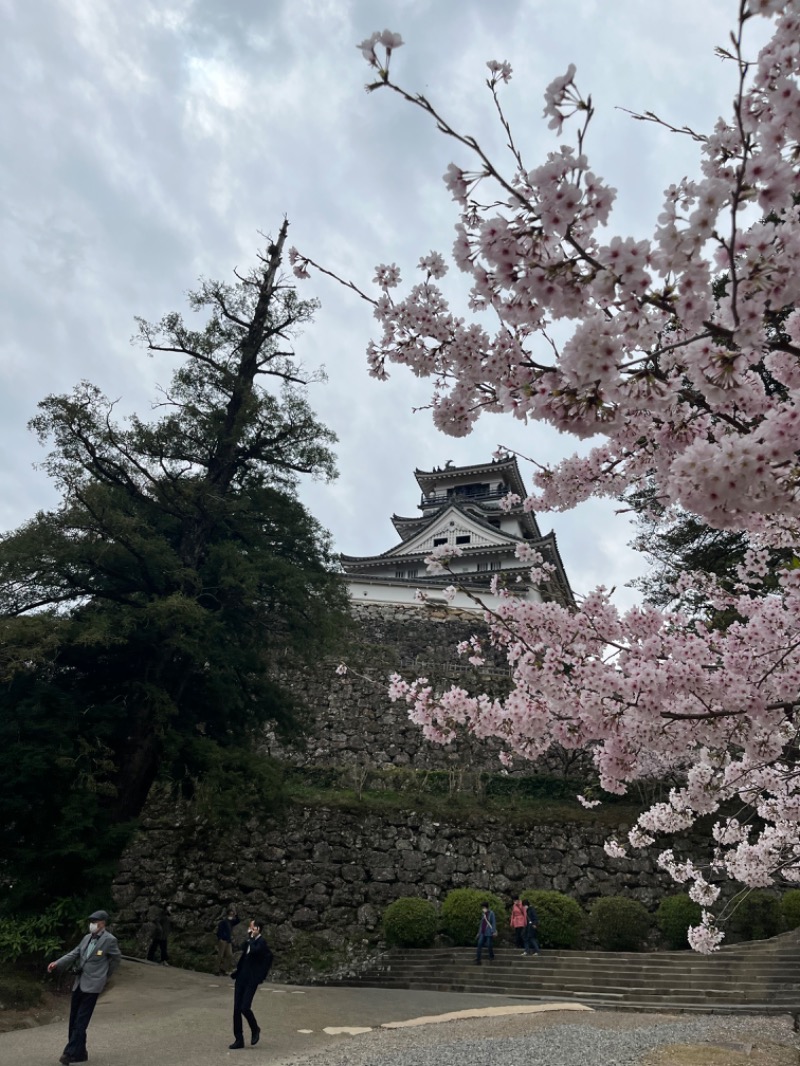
(452, 527)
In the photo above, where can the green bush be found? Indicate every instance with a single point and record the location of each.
(674, 916)
(410, 923)
(619, 924)
(42, 934)
(461, 913)
(790, 908)
(757, 916)
(561, 918)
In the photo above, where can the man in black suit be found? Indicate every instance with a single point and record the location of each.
(252, 968)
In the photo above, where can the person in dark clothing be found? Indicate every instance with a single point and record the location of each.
(225, 941)
(487, 930)
(252, 968)
(159, 933)
(531, 930)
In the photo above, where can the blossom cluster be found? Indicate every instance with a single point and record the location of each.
(682, 354)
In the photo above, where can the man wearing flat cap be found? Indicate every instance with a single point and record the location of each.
(93, 961)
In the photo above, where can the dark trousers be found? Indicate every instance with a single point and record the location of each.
(242, 1002)
(80, 1014)
(157, 942)
(484, 941)
(531, 939)
(519, 935)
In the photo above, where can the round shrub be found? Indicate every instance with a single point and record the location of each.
(674, 916)
(757, 916)
(619, 924)
(410, 923)
(790, 908)
(461, 914)
(561, 918)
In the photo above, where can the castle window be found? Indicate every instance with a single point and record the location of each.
(410, 572)
(439, 540)
(465, 539)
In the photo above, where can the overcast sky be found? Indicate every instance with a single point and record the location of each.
(146, 144)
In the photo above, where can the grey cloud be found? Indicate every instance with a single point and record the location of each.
(146, 144)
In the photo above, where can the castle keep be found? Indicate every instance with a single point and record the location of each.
(460, 508)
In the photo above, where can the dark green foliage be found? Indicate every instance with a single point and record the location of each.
(461, 914)
(619, 924)
(19, 990)
(227, 785)
(561, 918)
(144, 622)
(757, 916)
(542, 786)
(410, 923)
(790, 909)
(677, 543)
(43, 936)
(674, 916)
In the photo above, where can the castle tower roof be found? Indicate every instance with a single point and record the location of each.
(461, 508)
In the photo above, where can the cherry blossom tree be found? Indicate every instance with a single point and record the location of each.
(682, 355)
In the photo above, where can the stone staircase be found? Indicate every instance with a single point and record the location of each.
(758, 978)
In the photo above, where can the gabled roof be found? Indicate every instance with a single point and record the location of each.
(464, 514)
(406, 526)
(508, 467)
(414, 544)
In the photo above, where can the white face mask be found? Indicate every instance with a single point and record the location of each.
(93, 927)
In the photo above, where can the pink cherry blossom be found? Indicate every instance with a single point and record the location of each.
(680, 357)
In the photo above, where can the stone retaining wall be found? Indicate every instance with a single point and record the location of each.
(332, 872)
(351, 720)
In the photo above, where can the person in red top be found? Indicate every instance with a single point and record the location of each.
(518, 921)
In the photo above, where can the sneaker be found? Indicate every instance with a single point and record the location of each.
(164, 962)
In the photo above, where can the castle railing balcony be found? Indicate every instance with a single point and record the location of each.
(462, 497)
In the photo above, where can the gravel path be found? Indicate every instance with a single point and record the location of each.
(598, 1039)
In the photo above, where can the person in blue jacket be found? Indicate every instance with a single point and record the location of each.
(531, 930)
(225, 941)
(487, 931)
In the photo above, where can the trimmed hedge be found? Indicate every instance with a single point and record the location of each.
(620, 924)
(410, 922)
(561, 918)
(674, 916)
(461, 914)
(758, 916)
(790, 908)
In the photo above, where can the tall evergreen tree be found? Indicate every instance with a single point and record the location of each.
(142, 618)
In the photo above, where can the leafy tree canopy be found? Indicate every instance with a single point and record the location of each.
(144, 617)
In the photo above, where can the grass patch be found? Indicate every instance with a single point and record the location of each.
(524, 806)
(19, 990)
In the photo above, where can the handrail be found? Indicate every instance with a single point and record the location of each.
(462, 497)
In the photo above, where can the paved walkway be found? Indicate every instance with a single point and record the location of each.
(154, 1015)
